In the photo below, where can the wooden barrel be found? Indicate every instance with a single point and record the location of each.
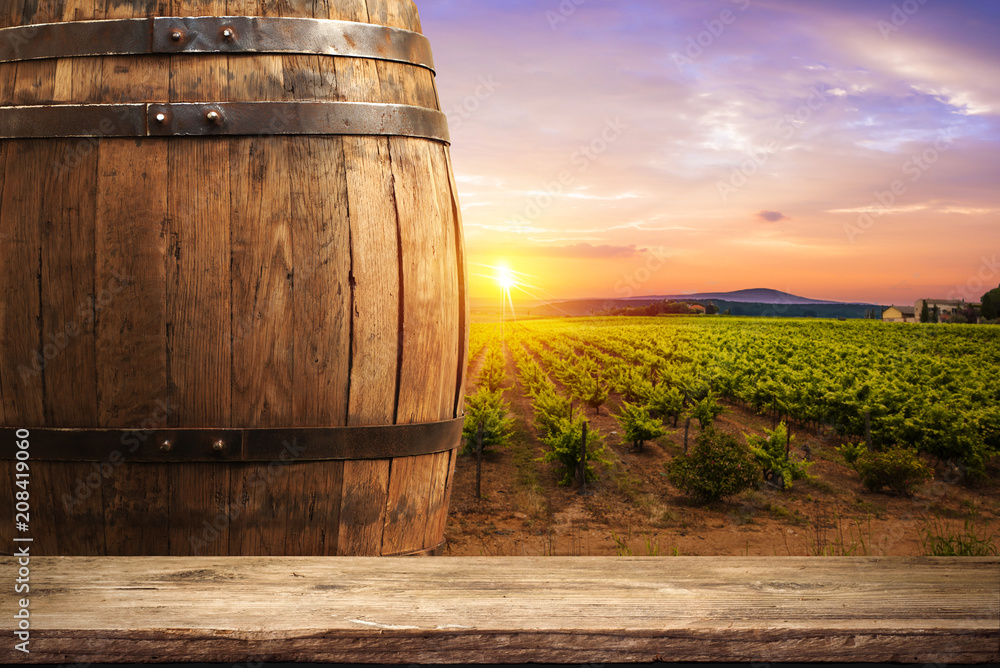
(233, 313)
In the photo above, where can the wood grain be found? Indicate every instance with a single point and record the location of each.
(363, 507)
(504, 610)
(406, 519)
(21, 363)
(321, 253)
(438, 498)
(263, 271)
(375, 288)
(422, 255)
(198, 251)
(313, 508)
(131, 328)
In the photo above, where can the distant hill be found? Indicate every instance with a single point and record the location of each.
(752, 296)
(756, 302)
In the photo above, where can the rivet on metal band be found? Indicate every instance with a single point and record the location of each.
(224, 118)
(214, 34)
(241, 445)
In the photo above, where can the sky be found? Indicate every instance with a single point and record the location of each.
(845, 150)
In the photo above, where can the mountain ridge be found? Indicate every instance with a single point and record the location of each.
(747, 296)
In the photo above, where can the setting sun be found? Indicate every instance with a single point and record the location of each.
(506, 279)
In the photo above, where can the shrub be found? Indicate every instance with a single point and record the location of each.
(851, 452)
(899, 469)
(952, 438)
(772, 454)
(717, 467)
(490, 410)
(564, 445)
(638, 426)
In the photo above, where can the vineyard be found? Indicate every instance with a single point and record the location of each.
(880, 408)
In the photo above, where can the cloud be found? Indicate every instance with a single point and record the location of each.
(772, 216)
(580, 251)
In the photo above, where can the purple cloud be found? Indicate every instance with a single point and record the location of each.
(772, 216)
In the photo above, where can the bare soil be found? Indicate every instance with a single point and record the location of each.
(633, 509)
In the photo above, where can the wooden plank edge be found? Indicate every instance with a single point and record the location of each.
(388, 646)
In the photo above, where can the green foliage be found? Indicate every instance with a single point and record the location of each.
(591, 391)
(493, 374)
(931, 389)
(772, 454)
(898, 469)
(939, 540)
(991, 304)
(550, 410)
(950, 436)
(717, 467)
(706, 410)
(638, 426)
(667, 401)
(852, 452)
(565, 446)
(490, 410)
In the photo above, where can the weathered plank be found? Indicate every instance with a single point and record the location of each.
(199, 334)
(131, 329)
(21, 363)
(198, 258)
(313, 508)
(263, 271)
(363, 507)
(496, 610)
(423, 253)
(376, 285)
(406, 519)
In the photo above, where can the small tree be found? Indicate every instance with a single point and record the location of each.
(772, 452)
(638, 426)
(565, 445)
(925, 313)
(717, 467)
(494, 373)
(667, 401)
(706, 411)
(490, 410)
(593, 392)
(936, 314)
(550, 410)
(991, 305)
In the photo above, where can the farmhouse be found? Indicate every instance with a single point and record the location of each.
(945, 307)
(899, 314)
